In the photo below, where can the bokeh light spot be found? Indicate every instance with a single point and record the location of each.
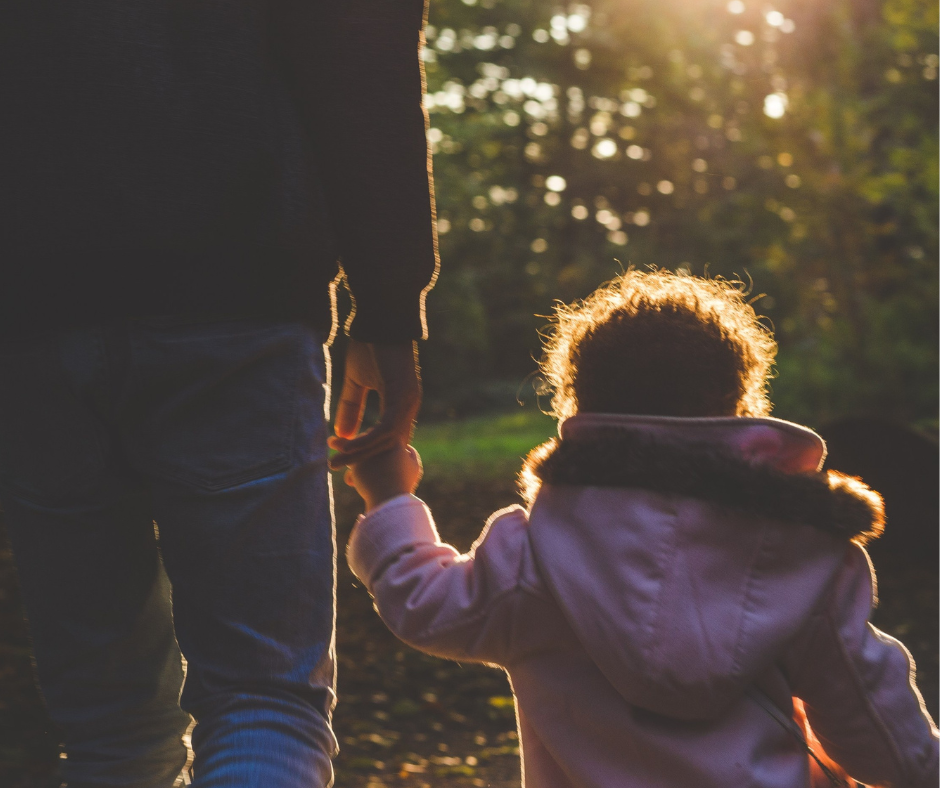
(775, 105)
(605, 148)
(580, 139)
(617, 237)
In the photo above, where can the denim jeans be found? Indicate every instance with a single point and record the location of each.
(216, 433)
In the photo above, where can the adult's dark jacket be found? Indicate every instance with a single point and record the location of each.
(213, 157)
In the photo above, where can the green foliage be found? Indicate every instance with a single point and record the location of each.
(483, 446)
(793, 145)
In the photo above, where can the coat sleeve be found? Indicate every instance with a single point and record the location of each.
(857, 687)
(356, 71)
(435, 599)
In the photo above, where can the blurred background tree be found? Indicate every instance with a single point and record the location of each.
(791, 143)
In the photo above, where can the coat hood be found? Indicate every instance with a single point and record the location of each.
(687, 553)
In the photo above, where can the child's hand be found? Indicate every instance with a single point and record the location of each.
(386, 475)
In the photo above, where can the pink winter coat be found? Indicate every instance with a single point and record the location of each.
(667, 568)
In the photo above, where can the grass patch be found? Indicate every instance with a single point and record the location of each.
(483, 446)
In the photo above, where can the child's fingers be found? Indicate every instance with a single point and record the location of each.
(416, 459)
(349, 478)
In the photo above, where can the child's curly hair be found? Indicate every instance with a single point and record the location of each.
(657, 343)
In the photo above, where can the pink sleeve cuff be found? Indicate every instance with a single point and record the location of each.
(398, 525)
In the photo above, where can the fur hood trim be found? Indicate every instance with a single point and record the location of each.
(840, 505)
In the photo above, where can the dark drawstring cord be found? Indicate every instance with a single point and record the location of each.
(761, 699)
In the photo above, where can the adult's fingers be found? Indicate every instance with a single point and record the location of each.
(349, 410)
(370, 443)
(401, 394)
(399, 411)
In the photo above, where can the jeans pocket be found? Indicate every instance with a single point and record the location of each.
(217, 404)
(51, 443)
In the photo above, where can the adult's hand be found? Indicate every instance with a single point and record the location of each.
(392, 371)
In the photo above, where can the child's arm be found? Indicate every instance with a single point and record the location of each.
(857, 685)
(450, 605)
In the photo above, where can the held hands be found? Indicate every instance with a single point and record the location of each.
(381, 463)
(385, 476)
(392, 371)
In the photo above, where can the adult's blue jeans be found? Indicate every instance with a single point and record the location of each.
(216, 433)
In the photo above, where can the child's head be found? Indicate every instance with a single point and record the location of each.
(657, 343)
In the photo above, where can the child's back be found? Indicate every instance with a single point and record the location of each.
(647, 628)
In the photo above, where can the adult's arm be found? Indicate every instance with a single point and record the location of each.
(358, 79)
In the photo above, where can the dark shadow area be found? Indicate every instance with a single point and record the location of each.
(904, 466)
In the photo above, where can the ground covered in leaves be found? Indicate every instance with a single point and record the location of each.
(406, 719)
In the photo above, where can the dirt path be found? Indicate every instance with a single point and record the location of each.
(405, 719)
